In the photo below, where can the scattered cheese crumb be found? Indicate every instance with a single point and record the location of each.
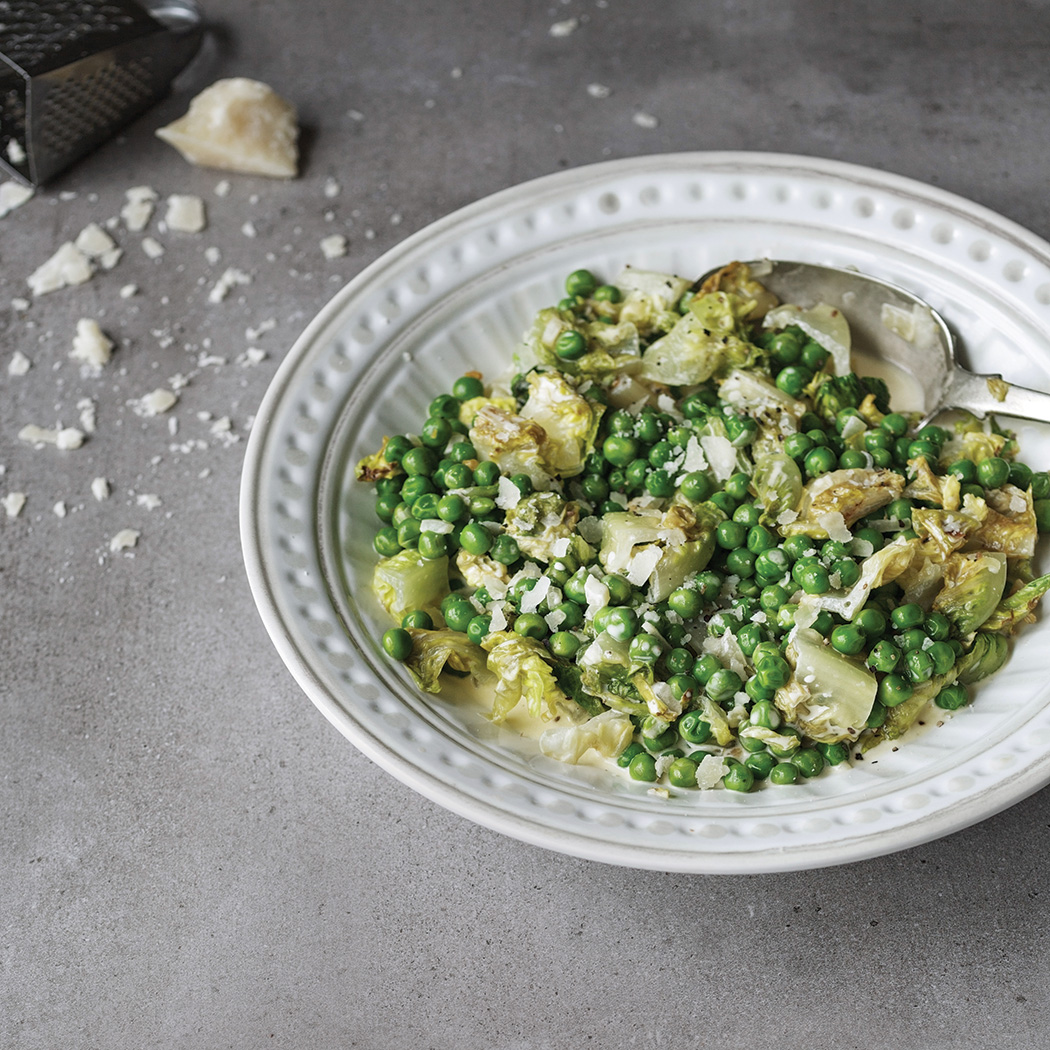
(59, 509)
(13, 195)
(185, 213)
(124, 540)
(68, 266)
(94, 242)
(564, 28)
(334, 246)
(100, 489)
(645, 120)
(240, 125)
(129, 290)
(252, 334)
(64, 439)
(152, 247)
(13, 503)
(19, 364)
(598, 91)
(248, 229)
(138, 210)
(154, 403)
(222, 189)
(149, 500)
(18, 303)
(91, 346)
(331, 188)
(226, 283)
(87, 414)
(16, 154)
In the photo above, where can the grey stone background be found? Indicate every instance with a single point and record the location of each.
(190, 855)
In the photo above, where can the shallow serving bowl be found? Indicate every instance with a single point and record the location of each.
(457, 296)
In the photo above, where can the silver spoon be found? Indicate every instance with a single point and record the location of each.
(927, 355)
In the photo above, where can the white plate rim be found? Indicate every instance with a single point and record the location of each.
(275, 613)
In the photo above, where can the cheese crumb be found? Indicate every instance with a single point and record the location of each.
(331, 188)
(19, 364)
(59, 509)
(91, 346)
(154, 403)
(138, 210)
(13, 195)
(149, 500)
(645, 120)
(13, 503)
(152, 247)
(124, 540)
(598, 91)
(226, 283)
(64, 439)
(564, 28)
(334, 246)
(240, 125)
(100, 489)
(185, 213)
(68, 266)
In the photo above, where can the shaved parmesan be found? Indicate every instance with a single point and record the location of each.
(91, 346)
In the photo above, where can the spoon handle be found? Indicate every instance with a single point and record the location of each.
(974, 394)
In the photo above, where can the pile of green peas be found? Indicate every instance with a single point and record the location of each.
(747, 587)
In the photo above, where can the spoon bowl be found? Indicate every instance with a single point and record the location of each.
(892, 325)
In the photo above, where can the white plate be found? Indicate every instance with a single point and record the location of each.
(457, 295)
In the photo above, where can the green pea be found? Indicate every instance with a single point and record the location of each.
(687, 603)
(820, 461)
(620, 590)
(993, 472)
(705, 667)
(951, 697)
(918, 665)
(396, 448)
(628, 753)
(852, 459)
(563, 643)
(737, 485)
(760, 764)
(765, 714)
(432, 545)
(894, 690)
(708, 585)
(793, 379)
(741, 562)
(458, 612)
(788, 748)
(408, 533)
(772, 564)
(730, 534)
(926, 449)
(397, 643)
(618, 620)
(814, 579)
(798, 445)
(749, 636)
(467, 387)
(913, 638)
(786, 347)
(723, 685)
(425, 507)
(642, 767)
(937, 626)
(877, 440)
(461, 451)
(649, 428)
(895, 424)
(724, 502)
(872, 622)
(696, 487)
(607, 293)
(808, 761)
(458, 476)
(848, 571)
(452, 508)
(570, 345)
(965, 470)
(866, 534)
(660, 484)
(848, 639)
(884, 656)
(834, 754)
(580, 282)
(620, 450)
(386, 543)
(814, 356)
(905, 616)
(486, 473)
(1020, 475)
(644, 649)
(877, 716)
(478, 628)
(530, 625)
(756, 690)
(739, 777)
(759, 538)
(419, 460)
(475, 538)
(943, 657)
(693, 728)
(773, 673)
(681, 773)
(435, 432)
(783, 773)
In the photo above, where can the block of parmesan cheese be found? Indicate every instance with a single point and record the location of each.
(238, 125)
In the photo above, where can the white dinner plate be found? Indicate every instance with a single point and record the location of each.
(456, 296)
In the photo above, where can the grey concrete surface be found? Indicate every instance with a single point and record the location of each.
(190, 855)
